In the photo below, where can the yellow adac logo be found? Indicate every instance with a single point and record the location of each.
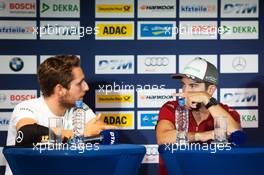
(118, 119)
(114, 8)
(114, 30)
(124, 98)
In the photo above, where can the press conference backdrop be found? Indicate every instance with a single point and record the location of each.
(130, 48)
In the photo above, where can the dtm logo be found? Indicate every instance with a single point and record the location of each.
(156, 30)
(240, 97)
(149, 119)
(2, 98)
(115, 64)
(156, 61)
(4, 122)
(16, 64)
(240, 8)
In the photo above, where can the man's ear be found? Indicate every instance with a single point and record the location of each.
(59, 90)
(211, 89)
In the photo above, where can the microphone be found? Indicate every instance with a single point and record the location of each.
(110, 137)
(106, 137)
(238, 138)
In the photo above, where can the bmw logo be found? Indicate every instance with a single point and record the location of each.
(16, 64)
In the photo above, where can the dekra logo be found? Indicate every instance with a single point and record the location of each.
(248, 118)
(60, 7)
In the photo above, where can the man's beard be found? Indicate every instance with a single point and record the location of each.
(198, 107)
(66, 102)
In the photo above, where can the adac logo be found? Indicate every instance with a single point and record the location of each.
(2, 5)
(239, 63)
(118, 119)
(115, 30)
(240, 8)
(115, 64)
(149, 119)
(59, 7)
(239, 29)
(16, 64)
(2, 98)
(114, 8)
(156, 30)
(124, 98)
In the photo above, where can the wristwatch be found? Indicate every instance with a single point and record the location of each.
(212, 102)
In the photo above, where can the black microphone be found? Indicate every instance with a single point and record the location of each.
(106, 137)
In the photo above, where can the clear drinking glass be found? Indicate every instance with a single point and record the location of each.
(220, 130)
(55, 129)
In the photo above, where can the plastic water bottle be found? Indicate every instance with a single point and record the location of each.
(181, 122)
(78, 121)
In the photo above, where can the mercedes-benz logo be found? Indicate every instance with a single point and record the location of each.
(239, 63)
(19, 137)
(16, 64)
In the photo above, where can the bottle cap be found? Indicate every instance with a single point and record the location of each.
(181, 101)
(79, 103)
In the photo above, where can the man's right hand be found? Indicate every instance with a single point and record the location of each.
(95, 126)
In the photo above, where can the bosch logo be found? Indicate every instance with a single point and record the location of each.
(156, 61)
(239, 63)
(2, 98)
(2, 5)
(22, 6)
(16, 64)
(21, 97)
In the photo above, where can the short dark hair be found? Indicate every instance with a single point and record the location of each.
(207, 84)
(56, 70)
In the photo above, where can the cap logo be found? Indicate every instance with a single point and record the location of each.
(191, 68)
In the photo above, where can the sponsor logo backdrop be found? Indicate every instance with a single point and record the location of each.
(128, 51)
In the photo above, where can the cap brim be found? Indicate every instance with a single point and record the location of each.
(180, 76)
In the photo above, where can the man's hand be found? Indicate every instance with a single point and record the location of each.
(193, 98)
(204, 136)
(95, 126)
